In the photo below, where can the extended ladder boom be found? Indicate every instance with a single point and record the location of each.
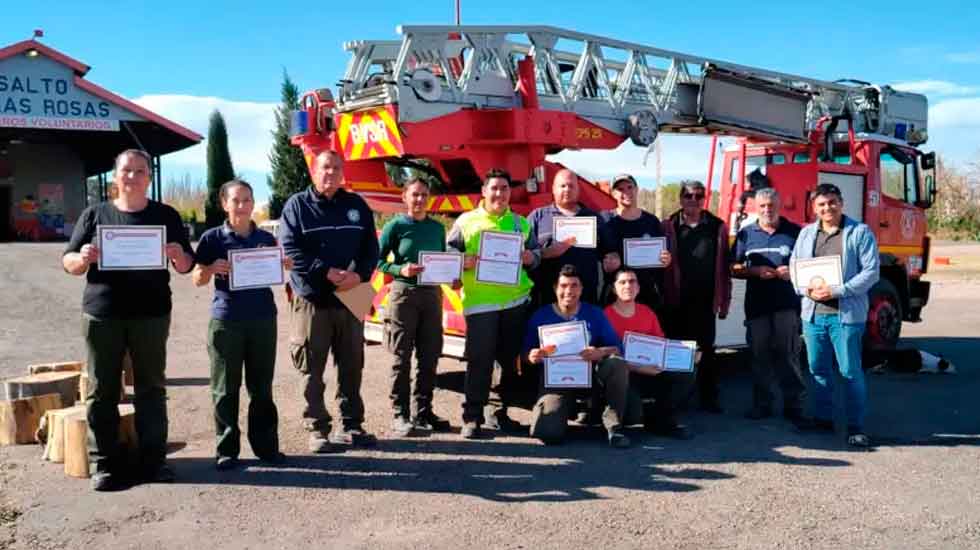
(629, 89)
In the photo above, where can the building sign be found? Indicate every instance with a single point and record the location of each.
(41, 93)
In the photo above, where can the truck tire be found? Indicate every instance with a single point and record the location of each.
(884, 317)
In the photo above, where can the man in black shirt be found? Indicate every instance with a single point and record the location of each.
(127, 310)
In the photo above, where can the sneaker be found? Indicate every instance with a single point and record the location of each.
(401, 427)
(354, 437)
(225, 463)
(758, 413)
(275, 459)
(107, 481)
(430, 422)
(501, 422)
(472, 430)
(618, 440)
(161, 473)
(318, 443)
(858, 439)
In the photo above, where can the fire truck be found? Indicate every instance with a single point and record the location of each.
(455, 101)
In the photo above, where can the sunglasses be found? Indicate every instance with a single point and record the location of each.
(695, 196)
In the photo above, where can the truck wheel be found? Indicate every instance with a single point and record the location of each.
(884, 317)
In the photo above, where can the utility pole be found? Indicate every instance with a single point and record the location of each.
(459, 17)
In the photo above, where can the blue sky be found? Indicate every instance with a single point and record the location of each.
(191, 57)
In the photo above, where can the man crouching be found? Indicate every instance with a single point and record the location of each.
(549, 419)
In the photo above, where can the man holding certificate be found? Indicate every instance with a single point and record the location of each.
(833, 315)
(772, 308)
(127, 307)
(413, 251)
(637, 238)
(647, 378)
(569, 234)
(493, 302)
(329, 233)
(242, 332)
(576, 344)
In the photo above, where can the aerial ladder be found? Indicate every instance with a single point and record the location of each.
(453, 102)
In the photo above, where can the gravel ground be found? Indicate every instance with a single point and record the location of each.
(739, 484)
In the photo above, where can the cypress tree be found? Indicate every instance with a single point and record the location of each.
(290, 173)
(220, 169)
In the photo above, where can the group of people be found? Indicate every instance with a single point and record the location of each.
(330, 245)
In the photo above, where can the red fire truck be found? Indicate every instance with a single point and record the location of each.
(465, 99)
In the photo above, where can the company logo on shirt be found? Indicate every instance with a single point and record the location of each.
(353, 215)
(784, 250)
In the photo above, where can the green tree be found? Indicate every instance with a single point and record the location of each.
(220, 169)
(289, 171)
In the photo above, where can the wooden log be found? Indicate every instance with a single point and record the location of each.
(20, 418)
(83, 386)
(67, 366)
(76, 447)
(76, 439)
(64, 384)
(54, 448)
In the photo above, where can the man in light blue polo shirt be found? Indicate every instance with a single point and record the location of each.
(834, 316)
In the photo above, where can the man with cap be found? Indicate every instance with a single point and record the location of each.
(629, 221)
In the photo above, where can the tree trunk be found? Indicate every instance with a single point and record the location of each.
(69, 366)
(20, 418)
(63, 383)
(76, 447)
(54, 449)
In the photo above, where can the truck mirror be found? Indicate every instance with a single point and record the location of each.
(928, 161)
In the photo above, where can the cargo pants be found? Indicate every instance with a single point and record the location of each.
(413, 323)
(549, 418)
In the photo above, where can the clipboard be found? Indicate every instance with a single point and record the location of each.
(358, 300)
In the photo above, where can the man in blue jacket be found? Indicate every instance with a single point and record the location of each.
(834, 316)
(329, 233)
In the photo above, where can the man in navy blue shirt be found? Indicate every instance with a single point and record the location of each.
(329, 233)
(549, 419)
(772, 308)
(555, 254)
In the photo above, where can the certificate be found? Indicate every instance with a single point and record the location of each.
(643, 349)
(583, 228)
(131, 247)
(679, 356)
(644, 252)
(499, 246)
(255, 268)
(815, 271)
(567, 338)
(567, 372)
(500, 258)
(440, 267)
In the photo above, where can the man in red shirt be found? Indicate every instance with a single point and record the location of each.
(645, 381)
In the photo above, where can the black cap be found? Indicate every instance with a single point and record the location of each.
(623, 177)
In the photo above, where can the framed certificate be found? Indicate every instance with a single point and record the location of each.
(643, 349)
(440, 267)
(255, 268)
(499, 261)
(644, 252)
(679, 356)
(567, 372)
(583, 228)
(814, 271)
(567, 338)
(131, 247)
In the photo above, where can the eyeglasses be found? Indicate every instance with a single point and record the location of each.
(695, 196)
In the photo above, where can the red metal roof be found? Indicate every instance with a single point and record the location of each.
(20, 47)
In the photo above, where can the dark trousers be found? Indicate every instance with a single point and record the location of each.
(235, 346)
(315, 333)
(549, 418)
(775, 342)
(414, 323)
(107, 340)
(659, 388)
(696, 321)
(494, 336)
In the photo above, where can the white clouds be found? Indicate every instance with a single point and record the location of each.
(953, 113)
(936, 87)
(249, 128)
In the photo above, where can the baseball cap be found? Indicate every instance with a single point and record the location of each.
(623, 177)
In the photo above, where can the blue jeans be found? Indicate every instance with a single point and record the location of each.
(826, 338)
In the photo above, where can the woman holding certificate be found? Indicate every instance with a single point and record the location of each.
(498, 248)
(244, 262)
(413, 251)
(627, 314)
(124, 247)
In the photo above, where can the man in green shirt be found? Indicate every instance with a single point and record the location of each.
(414, 313)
